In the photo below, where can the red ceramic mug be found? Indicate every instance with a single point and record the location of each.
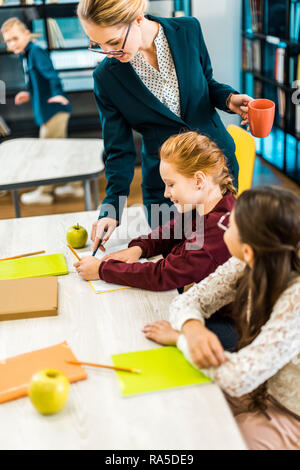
(261, 114)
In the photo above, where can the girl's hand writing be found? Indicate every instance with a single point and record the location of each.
(88, 268)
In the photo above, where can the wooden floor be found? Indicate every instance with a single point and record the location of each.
(263, 174)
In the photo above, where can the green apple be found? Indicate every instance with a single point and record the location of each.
(48, 391)
(77, 236)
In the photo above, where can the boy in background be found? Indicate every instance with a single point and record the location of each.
(51, 108)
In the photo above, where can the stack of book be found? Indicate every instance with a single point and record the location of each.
(295, 21)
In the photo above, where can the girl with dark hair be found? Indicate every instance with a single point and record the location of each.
(261, 379)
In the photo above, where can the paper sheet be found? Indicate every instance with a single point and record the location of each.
(101, 286)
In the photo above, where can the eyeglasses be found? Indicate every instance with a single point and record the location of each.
(118, 53)
(220, 223)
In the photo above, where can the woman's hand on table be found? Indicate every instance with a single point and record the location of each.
(88, 268)
(129, 255)
(239, 104)
(105, 224)
(204, 346)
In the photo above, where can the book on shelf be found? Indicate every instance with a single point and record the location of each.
(294, 80)
(297, 106)
(293, 61)
(281, 105)
(251, 58)
(257, 89)
(56, 39)
(279, 69)
(256, 12)
(295, 21)
(279, 76)
(246, 54)
(256, 55)
(270, 51)
(275, 14)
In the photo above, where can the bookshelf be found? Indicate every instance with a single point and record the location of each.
(271, 69)
(69, 54)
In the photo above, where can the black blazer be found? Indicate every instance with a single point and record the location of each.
(125, 103)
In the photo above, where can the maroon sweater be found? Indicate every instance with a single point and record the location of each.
(181, 266)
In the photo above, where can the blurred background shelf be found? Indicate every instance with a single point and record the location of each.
(271, 69)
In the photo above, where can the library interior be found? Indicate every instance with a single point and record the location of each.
(120, 121)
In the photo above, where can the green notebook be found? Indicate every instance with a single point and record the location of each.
(162, 368)
(35, 266)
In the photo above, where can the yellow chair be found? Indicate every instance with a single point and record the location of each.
(245, 154)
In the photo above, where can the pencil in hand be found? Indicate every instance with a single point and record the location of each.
(99, 243)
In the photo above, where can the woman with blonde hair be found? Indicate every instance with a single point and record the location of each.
(156, 79)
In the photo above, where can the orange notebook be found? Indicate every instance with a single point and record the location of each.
(16, 372)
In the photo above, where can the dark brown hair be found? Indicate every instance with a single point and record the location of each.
(268, 219)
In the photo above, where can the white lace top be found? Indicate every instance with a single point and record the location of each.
(274, 355)
(162, 83)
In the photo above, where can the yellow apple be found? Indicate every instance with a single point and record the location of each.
(48, 391)
(77, 236)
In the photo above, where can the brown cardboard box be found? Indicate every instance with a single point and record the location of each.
(28, 298)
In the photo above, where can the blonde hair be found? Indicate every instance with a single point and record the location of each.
(191, 152)
(111, 12)
(8, 24)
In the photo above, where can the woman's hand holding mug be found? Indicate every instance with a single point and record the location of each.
(257, 114)
(238, 104)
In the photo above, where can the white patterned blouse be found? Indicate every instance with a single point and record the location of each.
(163, 83)
(273, 356)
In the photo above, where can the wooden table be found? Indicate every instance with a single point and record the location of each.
(35, 162)
(96, 326)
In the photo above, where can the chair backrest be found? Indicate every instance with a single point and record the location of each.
(245, 154)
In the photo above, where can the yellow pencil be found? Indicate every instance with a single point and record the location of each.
(124, 369)
(74, 252)
(24, 255)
